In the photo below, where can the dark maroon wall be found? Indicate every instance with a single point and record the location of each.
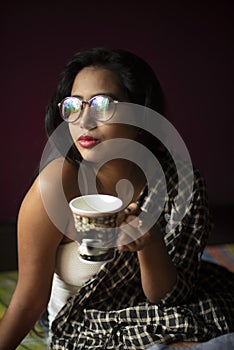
(189, 46)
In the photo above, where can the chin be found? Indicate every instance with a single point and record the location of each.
(90, 156)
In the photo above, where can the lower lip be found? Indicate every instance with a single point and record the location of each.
(88, 143)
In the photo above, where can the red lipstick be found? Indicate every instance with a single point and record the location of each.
(87, 141)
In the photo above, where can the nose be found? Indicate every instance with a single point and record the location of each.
(86, 121)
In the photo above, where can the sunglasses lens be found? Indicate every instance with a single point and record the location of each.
(70, 109)
(103, 107)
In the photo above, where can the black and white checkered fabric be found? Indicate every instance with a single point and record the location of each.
(111, 312)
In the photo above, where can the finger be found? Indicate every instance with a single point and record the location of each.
(132, 220)
(131, 247)
(122, 248)
(132, 209)
(130, 231)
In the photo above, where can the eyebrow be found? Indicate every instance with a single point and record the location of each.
(97, 94)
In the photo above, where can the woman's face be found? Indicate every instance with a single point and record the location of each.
(85, 131)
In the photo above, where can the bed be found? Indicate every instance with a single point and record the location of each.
(220, 254)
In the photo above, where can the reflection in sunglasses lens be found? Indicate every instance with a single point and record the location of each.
(101, 107)
(71, 106)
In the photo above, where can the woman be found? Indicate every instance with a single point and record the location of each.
(156, 289)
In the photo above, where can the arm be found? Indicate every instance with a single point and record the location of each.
(158, 274)
(38, 240)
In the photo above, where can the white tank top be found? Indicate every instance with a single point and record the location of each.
(71, 273)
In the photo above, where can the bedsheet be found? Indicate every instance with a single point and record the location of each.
(7, 285)
(224, 342)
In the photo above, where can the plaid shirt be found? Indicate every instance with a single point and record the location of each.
(111, 312)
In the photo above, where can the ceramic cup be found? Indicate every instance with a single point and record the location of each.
(96, 216)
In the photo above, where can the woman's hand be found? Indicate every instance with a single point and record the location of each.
(133, 231)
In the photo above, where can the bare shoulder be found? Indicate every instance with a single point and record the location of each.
(45, 206)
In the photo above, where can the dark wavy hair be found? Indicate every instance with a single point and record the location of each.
(136, 78)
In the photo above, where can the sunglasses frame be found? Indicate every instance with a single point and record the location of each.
(85, 102)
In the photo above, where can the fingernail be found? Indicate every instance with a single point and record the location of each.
(128, 210)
